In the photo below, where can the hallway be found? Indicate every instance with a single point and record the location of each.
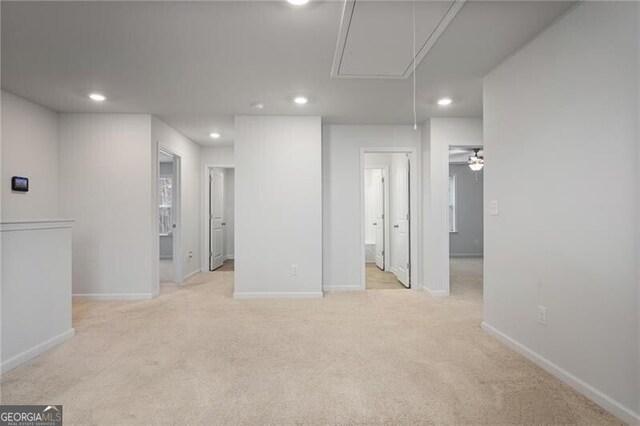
(194, 355)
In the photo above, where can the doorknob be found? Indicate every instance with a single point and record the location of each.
(396, 226)
(224, 223)
(375, 223)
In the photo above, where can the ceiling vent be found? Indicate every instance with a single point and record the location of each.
(376, 37)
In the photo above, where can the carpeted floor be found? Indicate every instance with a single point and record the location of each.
(196, 356)
(381, 280)
(166, 270)
(227, 265)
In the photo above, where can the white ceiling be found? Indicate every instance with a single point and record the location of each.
(376, 37)
(196, 64)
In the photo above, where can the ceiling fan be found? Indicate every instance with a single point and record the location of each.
(476, 162)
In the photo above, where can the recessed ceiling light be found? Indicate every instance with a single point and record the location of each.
(97, 97)
(298, 2)
(257, 105)
(300, 100)
(445, 101)
(215, 135)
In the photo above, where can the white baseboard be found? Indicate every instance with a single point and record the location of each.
(230, 257)
(436, 293)
(600, 398)
(25, 356)
(278, 295)
(196, 272)
(342, 288)
(114, 296)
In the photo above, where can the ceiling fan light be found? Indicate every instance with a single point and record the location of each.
(476, 167)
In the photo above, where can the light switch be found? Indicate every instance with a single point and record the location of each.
(494, 208)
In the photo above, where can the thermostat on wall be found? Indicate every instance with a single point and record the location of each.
(20, 184)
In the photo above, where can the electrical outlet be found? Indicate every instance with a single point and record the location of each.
(494, 208)
(294, 270)
(542, 315)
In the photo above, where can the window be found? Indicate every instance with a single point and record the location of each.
(452, 204)
(164, 208)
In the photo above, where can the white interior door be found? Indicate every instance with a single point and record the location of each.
(216, 212)
(379, 218)
(401, 227)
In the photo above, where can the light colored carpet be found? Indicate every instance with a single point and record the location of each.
(166, 270)
(196, 356)
(227, 265)
(381, 280)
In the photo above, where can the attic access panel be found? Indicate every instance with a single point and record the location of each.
(376, 37)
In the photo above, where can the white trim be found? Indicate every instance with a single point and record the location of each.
(466, 255)
(341, 288)
(436, 293)
(597, 396)
(278, 295)
(33, 352)
(114, 296)
(230, 257)
(33, 225)
(192, 274)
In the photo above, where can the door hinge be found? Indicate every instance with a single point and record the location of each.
(383, 252)
(382, 180)
(382, 215)
(409, 265)
(408, 216)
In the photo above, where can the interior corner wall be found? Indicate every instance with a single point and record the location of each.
(341, 149)
(561, 132)
(190, 192)
(30, 149)
(106, 186)
(443, 133)
(278, 188)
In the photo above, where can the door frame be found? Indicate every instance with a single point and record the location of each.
(415, 201)
(176, 211)
(387, 217)
(205, 210)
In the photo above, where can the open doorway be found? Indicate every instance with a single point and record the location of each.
(466, 227)
(386, 219)
(168, 214)
(221, 219)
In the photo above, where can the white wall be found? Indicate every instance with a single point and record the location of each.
(442, 133)
(278, 187)
(190, 192)
(29, 149)
(222, 155)
(229, 212)
(36, 300)
(565, 237)
(107, 186)
(341, 151)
